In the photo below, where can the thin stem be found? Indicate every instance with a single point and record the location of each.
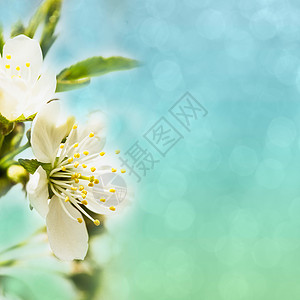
(14, 247)
(1, 140)
(7, 263)
(24, 243)
(12, 154)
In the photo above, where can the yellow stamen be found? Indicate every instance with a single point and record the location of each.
(76, 164)
(123, 171)
(8, 56)
(67, 199)
(18, 68)
(75, 126)
(113, 170)
(96, 181)
(75, 145)
(91, 134)
(76, 155)
(84, 202)
(74, 188)
(63, 168)
(112, 208)
(86, 152)
(79, 220)
(84, 166)
(7, 66)
(91, 184)
(61, 146)
(27, 65)
(81, 187)
(117, 151)
(84, 192)
(102, 200)
(102, 153)
(92, 178)
(76, 180)
(97, 222)
(83, 195)
(70, 159)
(112, 190)
(93, 169)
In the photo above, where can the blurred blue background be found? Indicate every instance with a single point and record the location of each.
(218, 216)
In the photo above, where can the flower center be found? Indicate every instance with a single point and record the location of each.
(73, 179)
(16, 71)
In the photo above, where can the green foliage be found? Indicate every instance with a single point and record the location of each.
(5, 183)
(6, 126)
(48, 14)
(10, 172)
(1, 40)
(30, 165)
(18, 28)
(97, 66)
(87, 281)
(12, 140)
(79, 74)
(22, 118)
(51, 20)
(68, 85)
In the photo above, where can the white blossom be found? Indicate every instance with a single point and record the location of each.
(72, 184)
(23, 86)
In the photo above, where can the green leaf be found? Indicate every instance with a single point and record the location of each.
(48, 14)
(67, 85)
(18, 28)
(6, 126)
(51, 20)
(30, 165)
(23, 119)
(45, 10)
(1, 40)
(97, 66)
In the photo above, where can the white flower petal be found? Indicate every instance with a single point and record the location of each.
(117, 200)
(99, 208)
(41, 93)
(37, 190)
(68, 239)
(24, 50)
(96, 124)
(47, 132)
(12, 96)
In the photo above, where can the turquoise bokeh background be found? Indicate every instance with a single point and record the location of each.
(219, 216)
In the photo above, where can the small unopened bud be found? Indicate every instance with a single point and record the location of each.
(17, 174)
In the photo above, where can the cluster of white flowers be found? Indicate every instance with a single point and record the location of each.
(65, 186)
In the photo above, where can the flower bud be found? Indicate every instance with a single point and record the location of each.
(17, 174)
